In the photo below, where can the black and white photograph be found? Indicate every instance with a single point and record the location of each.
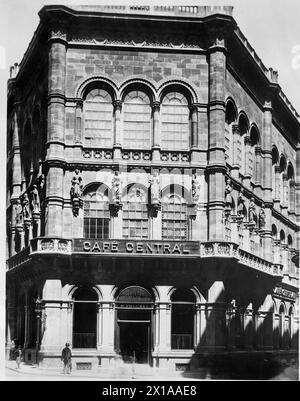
(151, 165)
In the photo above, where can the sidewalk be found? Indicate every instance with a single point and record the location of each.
(122, 372)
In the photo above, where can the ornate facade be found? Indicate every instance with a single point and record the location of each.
(153, 190)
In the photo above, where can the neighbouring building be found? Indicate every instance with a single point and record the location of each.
(153, 191)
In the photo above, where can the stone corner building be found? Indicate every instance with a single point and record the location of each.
(153, 191)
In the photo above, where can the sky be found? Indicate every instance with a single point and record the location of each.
(271, 26)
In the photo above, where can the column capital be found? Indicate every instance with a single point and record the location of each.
(268, 106)
(235, 129)
(155, 105)
(117, 104)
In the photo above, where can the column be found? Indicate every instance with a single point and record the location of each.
(51, 322)
(10, 317)
(236, 157)
(248, 327)
(216, 168)
(162, 339)
(284, 205)
(267, 179)
(117, 130)
(195, 157)
(156, 133)
(292, 196)
(230, 314)
(247, 150)
(56, 126)
(106, 324)
(258, 168)
(266, 315)
(216, 317)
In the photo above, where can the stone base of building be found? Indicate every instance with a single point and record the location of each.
(238, 364)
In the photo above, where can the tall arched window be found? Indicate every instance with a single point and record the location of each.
(175, 125)
(274, 236)
(253, 156)
(275, 162)
(174, 216)
(98, 119)
(135, 213)
(36, 139)
(85, 318)
(96, 212)
(136, 121)
(243, 128)
(182, 319)
(290, 188)
(230, 119)
(27, 153)
(291, 328)
(282, 189)
(281, 326)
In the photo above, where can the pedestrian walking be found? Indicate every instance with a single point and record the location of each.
(66, 357)
(18, 355)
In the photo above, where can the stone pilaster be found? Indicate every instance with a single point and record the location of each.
(106, 323)
(56, 127)
(216, 317)
(216, 110)
(156, 133)
(117, 130)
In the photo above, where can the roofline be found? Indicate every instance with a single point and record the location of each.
(201, 14)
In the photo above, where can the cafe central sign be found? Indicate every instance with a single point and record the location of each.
(175, 248)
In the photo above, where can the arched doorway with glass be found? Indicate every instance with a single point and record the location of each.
(183, 319)
(134, 306)
(85, 317)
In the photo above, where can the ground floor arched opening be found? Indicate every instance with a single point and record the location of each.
(134, 309)
(85, 318)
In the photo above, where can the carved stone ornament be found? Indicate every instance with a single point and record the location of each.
(26, 210)
(35, 201)
(252, 213)
(116, 192)
(155, 203)
(228, 197)
(262, 217)
(18, 213)
(76, 192)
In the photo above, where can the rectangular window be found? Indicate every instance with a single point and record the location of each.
(174, 222)
(96, 220)
(135, 220)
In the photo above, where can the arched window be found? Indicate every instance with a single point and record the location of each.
(136, 121)
(96, 212)
(291, 328)
(243, 128)
(274, 236)
(135, 213)
(290, 188)
(230, 119)
(175, 125)
(36, 139)
(174, 216)
(290, 255)
(282, 189)
(275, 162)
(253, 157)
(183, 319)
(98, 119)
(27, 154)
(281, 326)
(85, 318)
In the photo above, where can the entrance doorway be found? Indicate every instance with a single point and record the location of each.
(134, 318)
(85, 318)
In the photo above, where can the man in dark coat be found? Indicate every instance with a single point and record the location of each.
(66, 357)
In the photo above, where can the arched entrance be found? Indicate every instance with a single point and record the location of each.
(134, 307)
(85, 318)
